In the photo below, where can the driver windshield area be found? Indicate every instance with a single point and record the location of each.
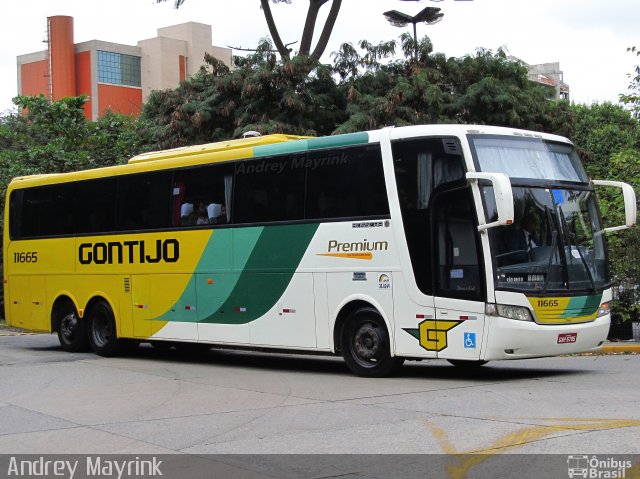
(556, 243)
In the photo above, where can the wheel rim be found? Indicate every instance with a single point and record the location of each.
(367, 345)
(102, 329)
(69, 326)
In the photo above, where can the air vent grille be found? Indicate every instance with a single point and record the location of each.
(451, 146)
(127, 285)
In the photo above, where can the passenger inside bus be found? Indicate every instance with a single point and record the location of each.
(201, 217)
(186, 214)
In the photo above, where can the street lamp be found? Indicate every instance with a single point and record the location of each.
(429, 15)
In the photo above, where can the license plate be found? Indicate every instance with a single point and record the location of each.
(567, 338)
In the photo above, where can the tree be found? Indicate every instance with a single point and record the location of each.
(632, 99)
(608, 139)
(600, 131)
(298, 96)
(307, 32)
(427, 87)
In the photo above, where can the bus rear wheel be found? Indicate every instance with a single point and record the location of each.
(366, 346)
(72, 331)
(103, 337)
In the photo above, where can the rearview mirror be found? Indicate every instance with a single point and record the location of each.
(629, 203)
(503, 194)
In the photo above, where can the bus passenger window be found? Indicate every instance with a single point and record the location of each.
(201, 195)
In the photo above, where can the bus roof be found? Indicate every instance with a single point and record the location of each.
(226, 145)
(263, 146)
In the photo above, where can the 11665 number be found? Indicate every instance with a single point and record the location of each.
(24, 257)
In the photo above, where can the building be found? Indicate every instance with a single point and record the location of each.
(547, 74)
(550, 74)
(114, 76)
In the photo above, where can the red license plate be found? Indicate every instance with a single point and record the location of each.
(567, 338)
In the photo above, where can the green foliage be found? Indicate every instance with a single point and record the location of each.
(484, 88)
(363, 89)
(260, 93)
(608, 139)
(600, 131)
(632, 99)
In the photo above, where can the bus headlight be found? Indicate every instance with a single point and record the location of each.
(510, 312)
(605, 308)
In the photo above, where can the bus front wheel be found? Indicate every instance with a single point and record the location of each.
(366, 346)
(103, 337)
(72, 331)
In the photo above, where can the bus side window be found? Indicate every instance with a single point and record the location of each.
(143, 201)
(197, 191)
(346, 183)
(270, 189)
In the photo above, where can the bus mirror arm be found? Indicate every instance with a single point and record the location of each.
(629, 203)
(503, 196)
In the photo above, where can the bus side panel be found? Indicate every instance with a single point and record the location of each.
(19, 300)
(82, 288)
(38, 317)
(414, 322)
(180, 320)
(375, 288)
(324, 333)
(291, 321)
(30, 263)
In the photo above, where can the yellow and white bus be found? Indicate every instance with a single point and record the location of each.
(467, 243)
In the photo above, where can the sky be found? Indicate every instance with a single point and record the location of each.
(588, 37)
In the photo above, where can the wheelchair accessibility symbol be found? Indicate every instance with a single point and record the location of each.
(470, 340)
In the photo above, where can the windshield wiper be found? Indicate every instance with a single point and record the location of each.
(571, 237)
(554, 241)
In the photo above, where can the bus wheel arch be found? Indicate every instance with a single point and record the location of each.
(364, 340)
(71, 329)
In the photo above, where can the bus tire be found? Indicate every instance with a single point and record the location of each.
(103, 336)
(365, 345)
(467, 363)
(72, 331)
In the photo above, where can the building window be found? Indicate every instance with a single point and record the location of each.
(118, 69)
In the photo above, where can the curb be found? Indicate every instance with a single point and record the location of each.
(620, 348)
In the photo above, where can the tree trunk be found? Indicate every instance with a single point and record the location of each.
(326, 31)
(273, 30)
(310, 26)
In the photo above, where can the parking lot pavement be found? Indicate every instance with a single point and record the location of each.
(254, 403)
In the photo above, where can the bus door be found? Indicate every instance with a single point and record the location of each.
(459, 285)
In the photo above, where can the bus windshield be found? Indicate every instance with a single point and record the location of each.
(530, 158)
(556, 243)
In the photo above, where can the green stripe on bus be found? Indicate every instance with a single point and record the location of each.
(266, 275)
(299, 146)
(338, 140)
(582, 306)
(286, 147)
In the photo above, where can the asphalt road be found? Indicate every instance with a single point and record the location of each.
(239, 402)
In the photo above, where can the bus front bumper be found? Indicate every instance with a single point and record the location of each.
(512, 339)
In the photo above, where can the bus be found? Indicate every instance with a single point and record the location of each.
(461, 242)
